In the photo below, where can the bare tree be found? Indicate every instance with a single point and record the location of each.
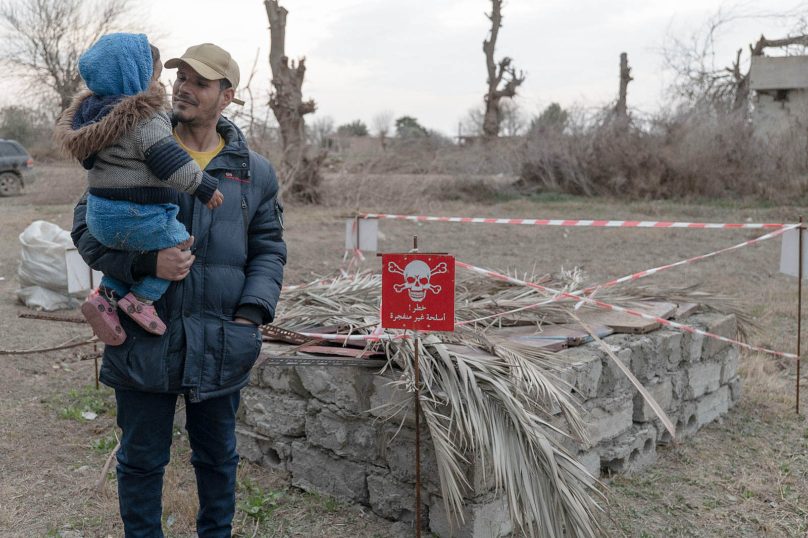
(321, 129)
(621, 109)
(497, 73)
(699, 78)
(44, 39)
(381, 124)
(511, 120)
(299, 173)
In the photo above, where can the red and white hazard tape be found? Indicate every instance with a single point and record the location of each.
(624, 310)
(635, 276)
(576, 223)
(648, 272)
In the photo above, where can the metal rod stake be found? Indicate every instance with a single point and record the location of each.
(417, 342)
(799, 316)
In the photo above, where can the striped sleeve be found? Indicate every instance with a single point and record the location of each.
(166, 159)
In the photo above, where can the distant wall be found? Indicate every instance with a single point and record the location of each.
(779, 112)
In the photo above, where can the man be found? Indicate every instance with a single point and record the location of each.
(226, 285)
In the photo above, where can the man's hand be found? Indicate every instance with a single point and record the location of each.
(242, 320)
(215, 200)
(174, 263)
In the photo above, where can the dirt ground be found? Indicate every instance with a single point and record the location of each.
(746, 475)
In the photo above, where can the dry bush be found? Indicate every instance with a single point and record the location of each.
(691, 153)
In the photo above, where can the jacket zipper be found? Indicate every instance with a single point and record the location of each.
(279, 213)
(246, 224)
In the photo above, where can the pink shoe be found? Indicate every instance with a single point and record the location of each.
(104, 320)
(144, 315)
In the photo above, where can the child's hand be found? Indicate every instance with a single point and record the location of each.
(215, 200)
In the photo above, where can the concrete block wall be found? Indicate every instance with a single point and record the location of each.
(322, 424)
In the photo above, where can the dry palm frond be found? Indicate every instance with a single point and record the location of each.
(485, 396)
(498, 409)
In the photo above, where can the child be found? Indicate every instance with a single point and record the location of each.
(120, 132)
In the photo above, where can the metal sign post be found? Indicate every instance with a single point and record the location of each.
(418, 294)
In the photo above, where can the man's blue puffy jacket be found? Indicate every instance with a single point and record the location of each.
(240, 254)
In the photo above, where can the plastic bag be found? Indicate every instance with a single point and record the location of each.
(43, 272)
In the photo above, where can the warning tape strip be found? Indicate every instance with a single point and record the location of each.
(624, 310)
(577, 222)
(635, 276)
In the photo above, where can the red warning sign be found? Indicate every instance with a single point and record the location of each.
(418, 292)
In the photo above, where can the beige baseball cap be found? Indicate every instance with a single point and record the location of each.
(211, 62)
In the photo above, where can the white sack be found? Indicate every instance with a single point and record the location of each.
(42, 272)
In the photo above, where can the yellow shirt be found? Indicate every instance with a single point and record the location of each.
(202, 158)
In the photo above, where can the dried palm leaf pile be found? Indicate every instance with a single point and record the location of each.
(487, 396)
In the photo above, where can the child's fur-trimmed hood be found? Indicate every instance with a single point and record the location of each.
(125, 115)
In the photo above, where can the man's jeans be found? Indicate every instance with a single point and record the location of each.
(147, 421)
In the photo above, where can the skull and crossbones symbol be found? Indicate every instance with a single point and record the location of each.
(417, 278)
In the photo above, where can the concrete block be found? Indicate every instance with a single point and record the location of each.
(612, 379)
(712, 406)
(608, 418)
(394, 500)
(590, 459)
(692, 344)
(348, 388)
(680, 385)
(316, 469)
(721, 325)
(646, 360)
(247, 446)
(400, 457)
(484, 519)
(668, 347)
(277, 452)
(354, 439)
(632, 452)
(703, 378)
(729, 363)
(684, 420)
(391, 401)
(583, 371)
(735, 390)
(274, 414)
(282, 379)
(660, 390)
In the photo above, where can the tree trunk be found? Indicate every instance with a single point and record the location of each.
(299, 173)
(621, 110)
(496, 73)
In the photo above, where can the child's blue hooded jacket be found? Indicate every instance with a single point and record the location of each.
(119, 129)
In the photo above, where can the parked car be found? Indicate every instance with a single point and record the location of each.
(16, 168)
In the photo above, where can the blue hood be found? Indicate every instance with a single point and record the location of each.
(118, 64)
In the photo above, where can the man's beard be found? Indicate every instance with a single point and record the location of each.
(202, 116)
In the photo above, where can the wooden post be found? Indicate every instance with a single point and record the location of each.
(799, 315)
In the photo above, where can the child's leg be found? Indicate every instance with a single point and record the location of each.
(150, 289)
(118, 287)
(128, 226)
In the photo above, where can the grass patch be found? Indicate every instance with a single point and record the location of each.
(88, 399)
(260, 503)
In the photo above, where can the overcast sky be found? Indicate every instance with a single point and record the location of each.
(424, 58)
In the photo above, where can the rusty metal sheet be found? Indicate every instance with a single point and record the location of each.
(571, 334)
(619, 322)
(685, 310)
(333, 350)
(273, 332)
(267, 360)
